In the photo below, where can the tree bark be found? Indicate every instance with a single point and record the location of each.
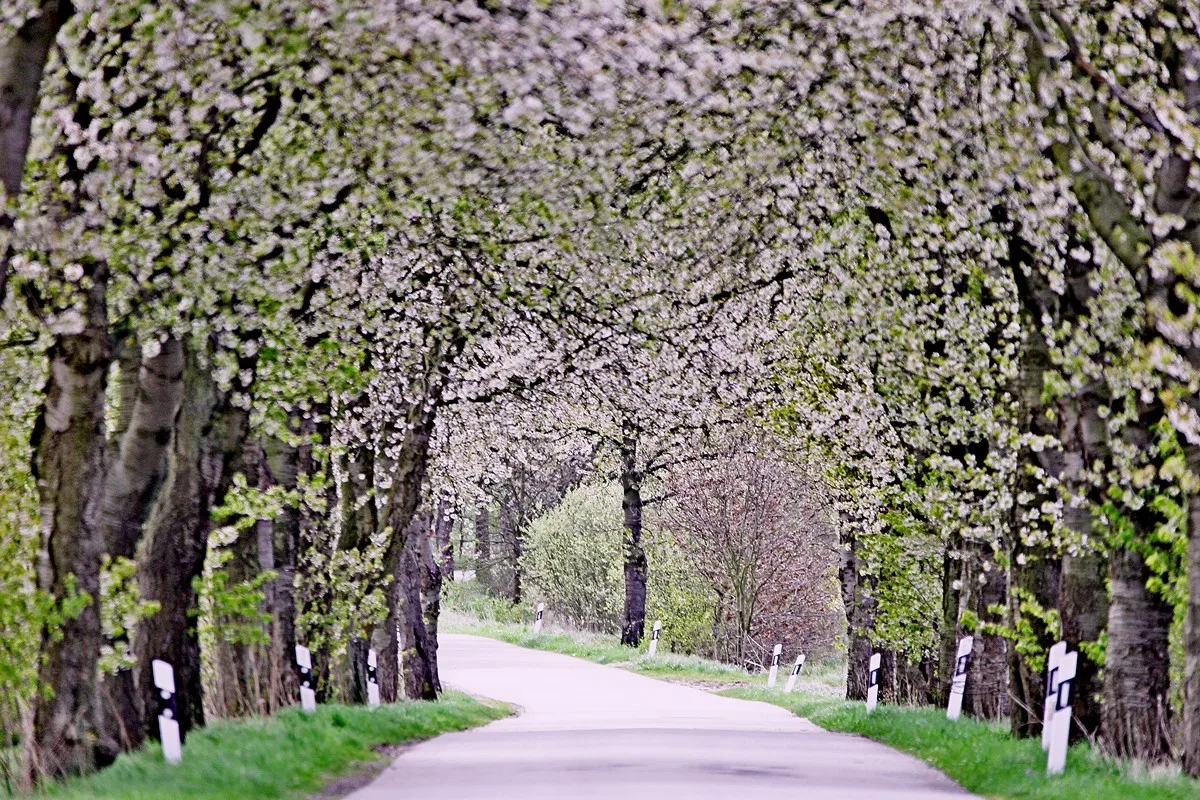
(636, 568)
(483, 547)
(208, 436)
(134, 478)
(431, 589)
(986, 693)
(1136, 709)
(240, 669)
(68, 445)
(953, 573)
(283, 466)
(1191, 642)
(416, 653)
(22, 61)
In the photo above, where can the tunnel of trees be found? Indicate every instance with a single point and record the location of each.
(887, 309)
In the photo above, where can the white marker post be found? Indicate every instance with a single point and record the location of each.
(372, 679)
(958, 684)
(873, 682)
(774, 665)
(799, 665)
(654, 638)
(168, 722)
(537, 620)
(308, 697)
(1052, 663)
(1059, 736)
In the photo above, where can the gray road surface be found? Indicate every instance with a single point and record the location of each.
(585, 731)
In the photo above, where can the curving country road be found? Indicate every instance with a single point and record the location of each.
(586, 731)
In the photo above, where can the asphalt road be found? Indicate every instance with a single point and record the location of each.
(586, 731)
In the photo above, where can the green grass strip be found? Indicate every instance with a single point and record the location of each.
(983, 757)
(287, 755)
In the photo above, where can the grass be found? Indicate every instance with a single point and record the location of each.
(983, 757)
(288, 755)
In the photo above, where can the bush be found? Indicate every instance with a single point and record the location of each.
(573, 560)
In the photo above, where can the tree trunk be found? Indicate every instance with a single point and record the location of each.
(134, 478)
(1136, 710)
(68, 445)
(356, 670)
(1035, 582)
(240, 679)
(986, 693)
(385, 639)
(208, 437)
(953, 573)
(861, 632)
(416, 654)
(1083, 605)
(1191, 640)
(636, 569)
(431, 591)
(22, 61)
(444, 552)
(283, 466)
(483, 547)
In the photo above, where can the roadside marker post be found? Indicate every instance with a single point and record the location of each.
(654, 638)
(308, 696)
(168, 714)
(1053, 661)
(537, 619)
(873, 682)
(372, 679)
(1056, 760)
(958, 684)
(774, 665)
(799, 665)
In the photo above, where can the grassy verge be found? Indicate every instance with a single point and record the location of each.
(981, 756)
(288, 755)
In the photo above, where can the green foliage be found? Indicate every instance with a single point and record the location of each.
(470, 599)
(233, 610)
(573, 559)
(121, 607)
(983, 756)
(288, 755)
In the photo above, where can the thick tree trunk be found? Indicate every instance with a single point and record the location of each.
(134, 477)
(386, 641)
(431, 591)
(986, 694)
(283, 466)
(1035, 582)
(241, 674)
(1191, 640)
(633, 627)
(1083, 605)
(953, 573)
(861, 635)
(1136, 710)
(22, 62)
(68, 445)
(355, 691)
(416, 653)
(208, 437)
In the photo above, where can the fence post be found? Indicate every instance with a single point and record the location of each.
(308, 695)
(791, 684)
(168, 721)
(873, 682)
(958, 683)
